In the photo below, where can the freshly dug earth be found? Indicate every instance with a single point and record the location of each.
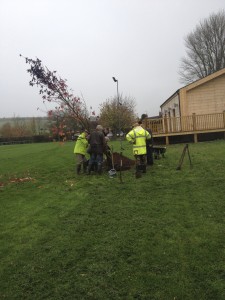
(127, 163)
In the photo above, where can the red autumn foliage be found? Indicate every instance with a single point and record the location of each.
(55, 90)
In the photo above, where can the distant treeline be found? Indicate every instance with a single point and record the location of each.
(25, 139)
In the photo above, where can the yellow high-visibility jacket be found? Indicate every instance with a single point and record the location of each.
(138, 137)
(81, 144)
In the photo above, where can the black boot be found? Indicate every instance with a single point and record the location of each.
(138, 172)
(144, 168)
(78, 169)
(99, 170)
(89, 169)
(85, 165)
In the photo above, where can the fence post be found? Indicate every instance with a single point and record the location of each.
(167, 140)
(194, 121)
(165, 124)
(195, 138)
(224, 118)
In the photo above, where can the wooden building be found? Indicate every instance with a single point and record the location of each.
(204, 96)
(194, 109)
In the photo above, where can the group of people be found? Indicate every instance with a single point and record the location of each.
(95, 144)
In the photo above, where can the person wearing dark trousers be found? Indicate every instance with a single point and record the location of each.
(97, 143)
(149, 148)
(138, 137)
(80, 151)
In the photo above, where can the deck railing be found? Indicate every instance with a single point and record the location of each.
(191, 123)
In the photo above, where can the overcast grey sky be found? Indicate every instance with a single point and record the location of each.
(140, 42)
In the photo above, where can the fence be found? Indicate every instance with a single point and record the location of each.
(191, 123)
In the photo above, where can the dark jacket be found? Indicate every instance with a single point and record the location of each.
(97, 142)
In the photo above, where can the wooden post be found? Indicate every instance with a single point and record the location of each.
(167, 140)
(165, 124)
(194, 121)
(186, 149)
(195, 137)
(224, 118)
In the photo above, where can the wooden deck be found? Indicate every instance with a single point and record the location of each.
(188, 125)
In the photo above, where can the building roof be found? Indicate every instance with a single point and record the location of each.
(196, 83)
(172, 96)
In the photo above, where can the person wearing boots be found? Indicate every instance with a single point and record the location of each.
(97, 143)
(138, 137)
(80, 151)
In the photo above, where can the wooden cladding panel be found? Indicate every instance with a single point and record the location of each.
(206, 98)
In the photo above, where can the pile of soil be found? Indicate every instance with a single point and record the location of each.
(127, 163)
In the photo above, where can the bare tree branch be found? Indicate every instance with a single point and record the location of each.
(205, 49)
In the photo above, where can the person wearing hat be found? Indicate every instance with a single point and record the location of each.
(138, 137)
(80, 151)
(97, 144)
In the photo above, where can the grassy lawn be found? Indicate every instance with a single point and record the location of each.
(64, 236)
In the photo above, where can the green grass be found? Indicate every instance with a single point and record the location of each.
(91, 237)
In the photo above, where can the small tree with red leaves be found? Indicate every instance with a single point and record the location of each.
(55, 90)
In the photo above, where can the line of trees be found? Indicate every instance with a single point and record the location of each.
(17, 127)
(51, 127)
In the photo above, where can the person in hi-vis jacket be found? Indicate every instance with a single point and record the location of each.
(138, 136)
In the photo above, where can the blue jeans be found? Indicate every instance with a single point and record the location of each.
(96, 158)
